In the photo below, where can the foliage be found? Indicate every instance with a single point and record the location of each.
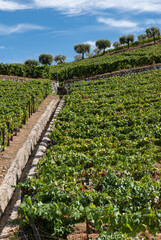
(14, 106)
(133, 44)
(82, 48)
(129, 38)
(78, 57)
(59, 59)
(108, 63)
(97, 51)
(126, 39)
(96, 65)
(142, 37)
(153, 32)
(102, 44)
(116, 45)
(89, 55)
(45, 58)
(31, 62)
(122, 39)
(101, 167)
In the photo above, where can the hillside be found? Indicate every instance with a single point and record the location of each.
(108, 63)
(104, 167)
(139, 56)
(18, 101)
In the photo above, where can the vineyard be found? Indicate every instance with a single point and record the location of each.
(103, 165)
(87, 67)
(108, 63)
(18, 101)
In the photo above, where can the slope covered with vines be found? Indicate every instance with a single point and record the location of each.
(108, 63)
(87, 67)
(18, 101)
(101, 167)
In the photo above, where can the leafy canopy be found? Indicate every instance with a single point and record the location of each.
(142, 37)
(82, 48)
(59, 59)
(31, 62)
(45, 58)
(116, 44)
(102, 44)
(152, 32)
(126, 39)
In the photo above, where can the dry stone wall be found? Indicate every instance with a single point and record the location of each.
(18, 164)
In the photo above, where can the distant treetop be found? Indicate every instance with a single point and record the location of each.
(45, 58)
(31, 62)
(102, 44)
(82, 48)
(59, 59)
(152, 32)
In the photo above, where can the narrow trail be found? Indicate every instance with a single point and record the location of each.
(10, 152)
(11, 212)
(6, 227)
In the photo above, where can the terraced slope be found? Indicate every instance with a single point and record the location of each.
(102, 167)
(18, 100)
(87, 67)
(108, 63)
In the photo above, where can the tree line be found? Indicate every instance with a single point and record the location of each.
(101, 46)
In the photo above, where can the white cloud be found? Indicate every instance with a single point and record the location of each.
(2, 47)
(92, 43)
(153, 21)
(19, 28)
(12, 6)
(75, 7)
(117, 23)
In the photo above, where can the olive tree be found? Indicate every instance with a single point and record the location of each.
(116, 45)
(142, 37)
(45, 58)
(102, 44)
(129, 38)
(78, 57)
(59, 59)
(126, 39)
(153, 32)
(31, 62)
(122, 39)
(82, 48)
(97, 51)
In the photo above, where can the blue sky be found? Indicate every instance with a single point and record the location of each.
(31, 27)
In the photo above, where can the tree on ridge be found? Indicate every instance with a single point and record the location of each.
(153, 32)
(82, 48)
(45, 58)
(102, 44)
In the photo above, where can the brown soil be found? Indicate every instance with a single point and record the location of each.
(7, 156)
(157, 175)
(80, 233)
(150, 236)
(21, 79)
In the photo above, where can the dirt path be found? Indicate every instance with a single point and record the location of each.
(10, 152)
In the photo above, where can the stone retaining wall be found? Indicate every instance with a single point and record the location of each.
(18, 164)
(123, 72)
(55, 84)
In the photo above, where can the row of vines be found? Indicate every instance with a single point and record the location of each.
(18, 101)
(84, 68)
(101, 167)
(108, 63)
(22, 70)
